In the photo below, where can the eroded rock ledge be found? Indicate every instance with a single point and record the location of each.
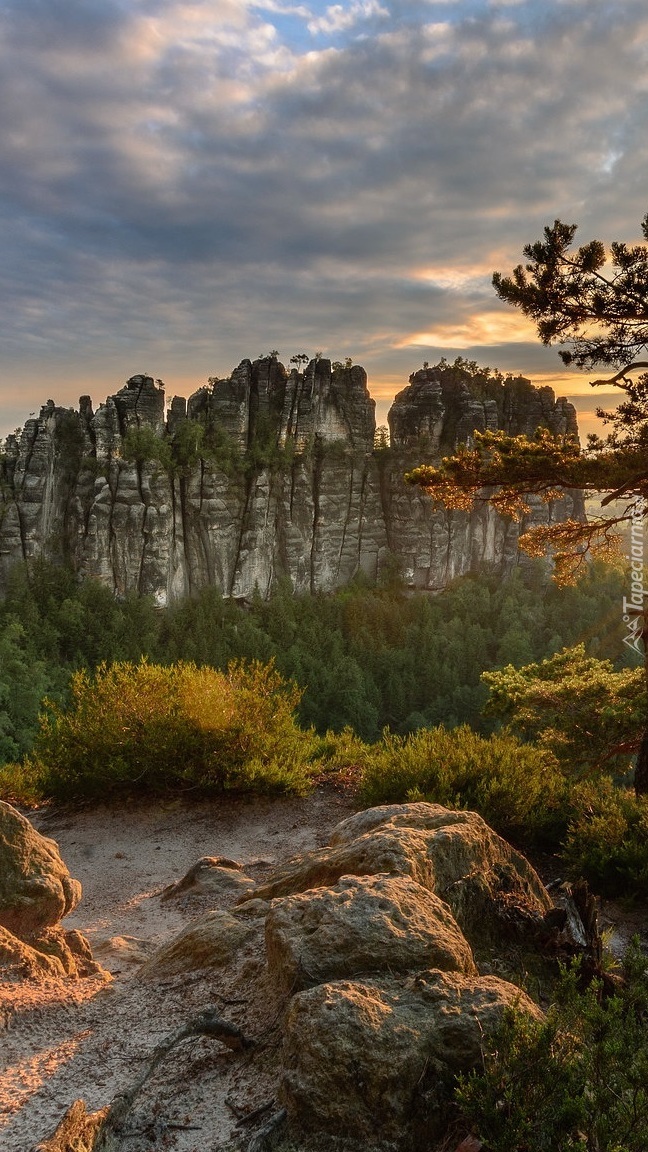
(261, 477)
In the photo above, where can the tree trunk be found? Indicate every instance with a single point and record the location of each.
(641, 767)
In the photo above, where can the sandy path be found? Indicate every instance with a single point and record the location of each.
(61, 1041)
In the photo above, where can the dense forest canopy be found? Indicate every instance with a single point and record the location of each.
(367, 657)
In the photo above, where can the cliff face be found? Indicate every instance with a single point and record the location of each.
(264, 476)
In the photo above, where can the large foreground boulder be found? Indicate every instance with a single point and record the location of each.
(36, 889)
(362, 924)
(492, 890)
(376, 990)
(374, 1060)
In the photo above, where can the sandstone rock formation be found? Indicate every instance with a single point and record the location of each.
(262, 477)
(36, 891)
(372, 992)
(373, 938)
(213, 876)
(492, 890)
(212, 941)
(373, 1059)
(362, 924)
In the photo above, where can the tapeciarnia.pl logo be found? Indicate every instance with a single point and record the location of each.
(633, 607)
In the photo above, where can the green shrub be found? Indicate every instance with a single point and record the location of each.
(142, 444)
(19, 784)
(607, 840)
(577, 1080)
(149, 727)
(515, 787)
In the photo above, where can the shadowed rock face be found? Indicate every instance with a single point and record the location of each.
(36, 890)
(262, 477)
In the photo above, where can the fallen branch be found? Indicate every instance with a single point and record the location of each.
(207, 1023)
(258, 1142)
(249, 1117)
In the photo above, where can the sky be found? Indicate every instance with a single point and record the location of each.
(185, 184)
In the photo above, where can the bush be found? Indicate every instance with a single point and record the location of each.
(153, 728)
(517, 788)
(607, 840)
(19, 785)
(578, 1080)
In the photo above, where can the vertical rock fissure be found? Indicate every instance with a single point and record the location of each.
(347, 517)
(316, 486)
(113, 542)
(362, 503)
(250, 480)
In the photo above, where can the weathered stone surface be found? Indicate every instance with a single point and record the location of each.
(211, 876)
(334, 507)
(120, 950)
(371, 1060)
(55, 952)
(421, 815)
(36, 889)
(21, 960)
(212, 941)
(490, 888)
(362, 925)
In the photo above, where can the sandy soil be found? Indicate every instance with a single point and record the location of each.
(91, 1039)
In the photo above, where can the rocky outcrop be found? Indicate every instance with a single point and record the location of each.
(492, 890)
(386, 1003)
(209, 942)
(373, 1060)
(354, 997)
(261, 477)
(36, 891)
(213, 876)
(362, 924)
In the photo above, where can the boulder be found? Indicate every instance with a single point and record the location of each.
(21, 960)
(214, 876)
(362, 925)
(116, 951)
(491, 889)
(56, 952)
(420, 814)
(375, 1060)
(212, 941)
(36, 889)
(395, 852)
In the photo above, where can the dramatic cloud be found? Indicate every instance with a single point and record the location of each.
(187, 183)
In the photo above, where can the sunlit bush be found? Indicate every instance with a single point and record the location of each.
(151, 728)
(515, 787)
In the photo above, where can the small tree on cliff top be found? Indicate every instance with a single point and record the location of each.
(595, 303)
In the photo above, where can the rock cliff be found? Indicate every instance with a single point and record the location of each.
(264, 476)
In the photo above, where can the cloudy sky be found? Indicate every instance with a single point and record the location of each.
(188, 183)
